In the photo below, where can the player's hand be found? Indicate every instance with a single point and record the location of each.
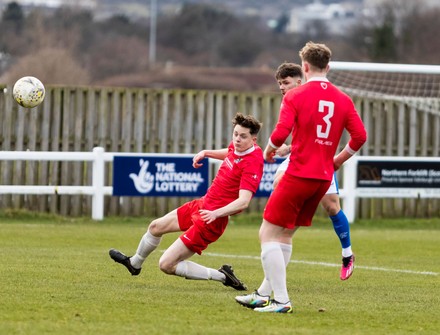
(269, 155)
(337, 163)
(197, 158)
(207, 216)
(283, 150)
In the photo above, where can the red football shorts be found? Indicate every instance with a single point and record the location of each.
(197, 234)
(294, 201)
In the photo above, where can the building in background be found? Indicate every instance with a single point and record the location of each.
(87, 4)
(335, 18)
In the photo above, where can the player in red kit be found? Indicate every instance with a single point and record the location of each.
(289, 75)
(315, 114)
(204, 220)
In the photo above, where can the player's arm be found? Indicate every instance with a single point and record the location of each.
(239, 204)
(282, 129)
(216, 154)
(358, 136)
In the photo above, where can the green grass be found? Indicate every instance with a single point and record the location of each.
(57, 278)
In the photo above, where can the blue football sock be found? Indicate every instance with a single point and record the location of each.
(342, 228)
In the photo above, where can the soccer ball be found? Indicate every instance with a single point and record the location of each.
(28, 92)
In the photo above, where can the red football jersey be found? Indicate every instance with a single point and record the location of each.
(239, 171)
(316, 114)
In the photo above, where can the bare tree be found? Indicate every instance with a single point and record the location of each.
(419, 36)
(51, 66)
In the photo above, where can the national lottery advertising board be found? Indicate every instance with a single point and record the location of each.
(172, 176)
(159, 176)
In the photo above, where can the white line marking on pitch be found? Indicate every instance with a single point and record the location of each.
(374, 268)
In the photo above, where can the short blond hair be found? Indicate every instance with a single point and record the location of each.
(316, 54)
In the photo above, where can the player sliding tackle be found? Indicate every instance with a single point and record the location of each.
(204, 220)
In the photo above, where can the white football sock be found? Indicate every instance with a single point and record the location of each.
(287, 252)
(265, 288)
(191, 270)
(146, 246)
(346, 252)
(274, 266)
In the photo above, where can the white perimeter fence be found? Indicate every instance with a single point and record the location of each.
(349, 193)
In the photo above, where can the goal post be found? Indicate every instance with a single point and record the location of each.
(400, 107)
(384, 67)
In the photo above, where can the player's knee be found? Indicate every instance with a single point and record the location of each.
(166, 266)
(152, 228)
(155, 228)
(331, 205)
(332, 209)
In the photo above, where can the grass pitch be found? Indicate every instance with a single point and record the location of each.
(57, 278)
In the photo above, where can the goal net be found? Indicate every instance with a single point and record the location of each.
(414, 84)
(400, 107)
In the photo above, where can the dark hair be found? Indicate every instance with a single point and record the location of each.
(317, 55)
(247, 121)
(288, 70)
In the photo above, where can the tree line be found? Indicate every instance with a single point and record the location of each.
(68, 46)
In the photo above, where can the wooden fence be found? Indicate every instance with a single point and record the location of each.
(181, 121)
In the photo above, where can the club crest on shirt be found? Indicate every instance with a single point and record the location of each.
(324, 86)
(236, 161)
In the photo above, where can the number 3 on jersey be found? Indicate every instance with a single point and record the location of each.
(328, 108)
